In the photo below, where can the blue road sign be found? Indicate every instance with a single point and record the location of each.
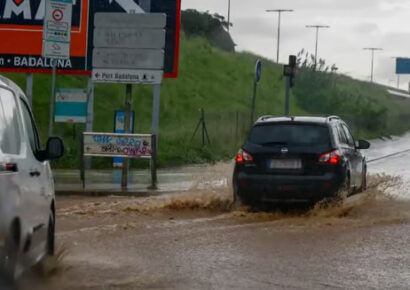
(119, 123)
(402, 65)
(258, 71)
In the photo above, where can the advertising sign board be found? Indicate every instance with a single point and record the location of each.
(21, 23)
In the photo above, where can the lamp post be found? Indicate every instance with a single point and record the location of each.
(372, 49)
(317, 27)
(279, 11)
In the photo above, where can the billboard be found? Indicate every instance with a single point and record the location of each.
(21, 23)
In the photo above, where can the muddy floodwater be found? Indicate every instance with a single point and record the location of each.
(194, 240)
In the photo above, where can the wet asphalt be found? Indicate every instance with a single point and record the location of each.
(193, 240)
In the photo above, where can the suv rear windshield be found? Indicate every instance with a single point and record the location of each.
(290, 134)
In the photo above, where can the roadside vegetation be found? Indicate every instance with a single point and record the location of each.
(221, 83)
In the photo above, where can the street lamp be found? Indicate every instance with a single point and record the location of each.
(279, 11)
(317, 27)
(372, 49)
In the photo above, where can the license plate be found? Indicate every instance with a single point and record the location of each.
(285, 164)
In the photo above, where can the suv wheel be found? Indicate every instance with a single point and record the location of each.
(363, 186)
(237, 201)
(346, 190)
(51, 235)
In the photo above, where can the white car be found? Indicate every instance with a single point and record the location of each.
(27, 202)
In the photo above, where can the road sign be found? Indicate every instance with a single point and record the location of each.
(402, 65)
(121, 20)
(117, 145)
(129, 38)
(114, 63)
(71, 106)
(258, 71)
(127, 76)
(57, 29)
(21, 24)
(172, 9)
(128, 58)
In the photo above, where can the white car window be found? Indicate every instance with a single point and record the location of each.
(10, 139)
(31, 128)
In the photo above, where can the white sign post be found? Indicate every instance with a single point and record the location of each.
(56, 41)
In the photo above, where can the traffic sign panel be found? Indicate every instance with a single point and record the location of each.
(128, 58)
(127, 76)
(129, 38)
(402, 65)
(57, 29)
(121, 20)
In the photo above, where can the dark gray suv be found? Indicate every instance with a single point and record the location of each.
(298, 159)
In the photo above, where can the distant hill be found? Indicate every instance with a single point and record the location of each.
(221, 82)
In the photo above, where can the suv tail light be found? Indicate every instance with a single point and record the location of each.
(243, 157)
(332, 157)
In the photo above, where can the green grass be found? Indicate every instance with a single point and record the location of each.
(209, 78)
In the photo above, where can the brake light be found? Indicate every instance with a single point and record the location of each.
(332, 157)
(243, 156)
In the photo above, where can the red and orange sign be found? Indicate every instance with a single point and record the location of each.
(21, 34)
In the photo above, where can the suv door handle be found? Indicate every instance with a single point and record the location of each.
(34, 173)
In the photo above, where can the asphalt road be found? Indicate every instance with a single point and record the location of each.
(193, 240)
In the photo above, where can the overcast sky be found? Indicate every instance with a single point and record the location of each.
(355, 24)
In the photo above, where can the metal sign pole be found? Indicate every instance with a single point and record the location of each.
(155, 131)
(287, 102)
(253, 102)
(128, 106)
(257, 78)
(90, 113)
(29, 88)
(52, 98)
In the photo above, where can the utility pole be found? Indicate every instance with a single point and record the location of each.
(372, 49)
(279, 11)
(317, 27)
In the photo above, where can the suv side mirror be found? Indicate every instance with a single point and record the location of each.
(54, 149)
(362, 144)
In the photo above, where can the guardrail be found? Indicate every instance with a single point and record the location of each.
(131, 146)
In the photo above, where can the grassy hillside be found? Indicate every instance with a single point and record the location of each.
(221, 83)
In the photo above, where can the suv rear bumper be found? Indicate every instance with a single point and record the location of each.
(286, 188)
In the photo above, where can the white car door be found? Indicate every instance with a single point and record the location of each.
(38, 176)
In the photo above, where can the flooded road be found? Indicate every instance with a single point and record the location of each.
(193, 240)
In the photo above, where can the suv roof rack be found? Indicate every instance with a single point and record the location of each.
(330, 118)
